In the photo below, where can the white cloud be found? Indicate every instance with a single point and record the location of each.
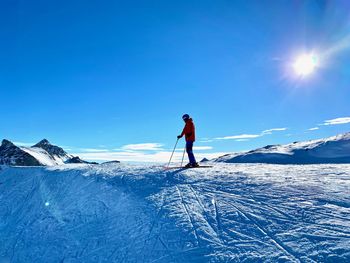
(337, 121)
(143, 147)
(246, 137)
(204, 140)
(202, 148)
(242, 140)
(139, 156)
(196, 148)
(269, 131)
(93, 150)
(313, 129)
(238, 137)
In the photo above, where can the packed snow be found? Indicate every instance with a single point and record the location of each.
(335, 149)
(129, 213)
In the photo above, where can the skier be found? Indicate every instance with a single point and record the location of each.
(189, 132)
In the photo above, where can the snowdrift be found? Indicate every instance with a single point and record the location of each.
(121, 213)
(334, 149)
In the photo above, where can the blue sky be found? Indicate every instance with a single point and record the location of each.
(111, 79)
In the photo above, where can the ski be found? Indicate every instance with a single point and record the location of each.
(183, 167)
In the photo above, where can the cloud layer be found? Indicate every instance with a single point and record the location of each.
(238, 137)
(270, 131)
(337, 121)
(143, 152)
(143, 147)
(246, 137)
(140, 156)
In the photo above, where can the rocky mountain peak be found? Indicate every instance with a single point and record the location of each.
(51, 149)
(10, 154)
(43, 142)
(41, 154)
(7, 144)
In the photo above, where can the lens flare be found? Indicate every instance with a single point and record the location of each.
(305, 64)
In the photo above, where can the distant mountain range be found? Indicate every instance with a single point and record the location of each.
(334, 149)
(41, 154)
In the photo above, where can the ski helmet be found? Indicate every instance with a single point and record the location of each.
(185, 117)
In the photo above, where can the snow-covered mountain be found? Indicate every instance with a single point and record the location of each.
(41, 154)
(334, 149)
(11, 154)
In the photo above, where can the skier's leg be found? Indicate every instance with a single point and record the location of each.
(189, 149)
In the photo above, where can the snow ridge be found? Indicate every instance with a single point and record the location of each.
(335, 149)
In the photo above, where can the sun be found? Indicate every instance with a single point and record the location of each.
(305, 64)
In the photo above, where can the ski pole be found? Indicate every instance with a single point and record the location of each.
(183, 155)
(172, 153)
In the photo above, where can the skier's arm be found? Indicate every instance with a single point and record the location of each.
(184, 131)
(182, 134)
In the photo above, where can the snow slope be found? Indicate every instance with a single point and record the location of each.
(43, 156)
(334, 149)
(123, 213)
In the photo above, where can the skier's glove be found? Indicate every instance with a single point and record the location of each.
(179, 136)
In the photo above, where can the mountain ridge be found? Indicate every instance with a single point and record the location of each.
(334, 149)
(41, 154)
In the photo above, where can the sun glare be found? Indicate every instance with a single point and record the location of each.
(305, 65)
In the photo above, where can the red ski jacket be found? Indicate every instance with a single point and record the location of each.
(189, 131)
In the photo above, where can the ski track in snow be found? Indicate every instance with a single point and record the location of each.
(130, 213)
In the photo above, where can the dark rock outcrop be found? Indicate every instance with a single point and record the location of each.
(111, 162)
(76, 159)
(51, 149)
(10, 154)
